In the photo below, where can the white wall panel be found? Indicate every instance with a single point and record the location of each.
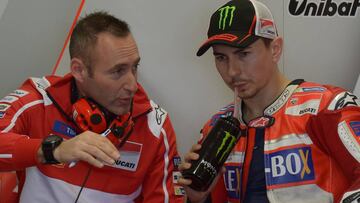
(3, 4)
(32, 34)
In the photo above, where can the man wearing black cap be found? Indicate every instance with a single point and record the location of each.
(300, 140)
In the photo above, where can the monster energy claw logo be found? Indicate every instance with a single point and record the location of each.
(224, 15)
(227, 142)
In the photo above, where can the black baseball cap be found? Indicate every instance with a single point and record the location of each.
(239, 23)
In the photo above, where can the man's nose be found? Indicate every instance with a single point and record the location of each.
(234, 68)
(131, 83)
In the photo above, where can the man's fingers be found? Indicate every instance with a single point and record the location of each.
(103, 144)
(195, 147)
(184, 182)
(107, 147)
(91, 160)
(99, 154)
(193, 156)
(184, 166)
(190, 156)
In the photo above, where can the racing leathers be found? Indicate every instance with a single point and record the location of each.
(311, 148)
(42, 106)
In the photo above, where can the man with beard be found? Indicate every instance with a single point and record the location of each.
(299, 140)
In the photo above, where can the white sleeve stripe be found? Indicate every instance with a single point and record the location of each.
(166, 165)
(19, 112)
(6, 156)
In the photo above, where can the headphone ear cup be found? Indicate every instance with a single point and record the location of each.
(118, 131)
(96, 119)
(121, 128)
(88, 116)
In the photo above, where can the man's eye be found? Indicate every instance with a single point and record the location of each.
(220, 58)
(136, 66)
(118, 71)
(243, 53)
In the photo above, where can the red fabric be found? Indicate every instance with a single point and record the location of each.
(7, 186)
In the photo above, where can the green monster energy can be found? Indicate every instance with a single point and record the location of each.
(214, 151)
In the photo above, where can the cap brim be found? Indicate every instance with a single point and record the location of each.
(242, 41)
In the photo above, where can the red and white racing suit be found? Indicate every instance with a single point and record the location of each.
(311, 147)
(41, 106)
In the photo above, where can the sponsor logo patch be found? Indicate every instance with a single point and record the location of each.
(9, 99)
(129, 156)
(267, 27)
(313, 89)
(176, 162)
(264, 121)
(304, 103)
(355, 125)
(293, 101)
(232, 180)
(179, 191)
(4, 107)
(226, 16)
(309, 107)
(328, 8)
(343, 100)
(176, 176)
(19, 93)
(41, 83)
(63, 129)
(290, 166)
(159, 114)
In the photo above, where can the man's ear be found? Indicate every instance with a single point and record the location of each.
(78, 69)
(276, 48)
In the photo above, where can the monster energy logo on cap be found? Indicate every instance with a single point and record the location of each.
(226, 145)
(226, 16)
